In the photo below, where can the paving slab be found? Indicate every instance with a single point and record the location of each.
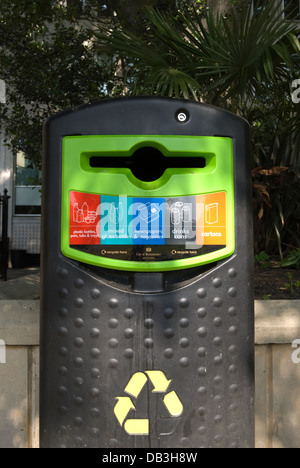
(25, 287)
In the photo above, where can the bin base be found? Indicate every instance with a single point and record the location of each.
(169, 369)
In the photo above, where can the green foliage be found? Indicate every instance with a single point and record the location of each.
(209, 56)
(292, 284)
(49, 64)
(54, 58)
(243, 61)
(262, 259)
(292, 259)
(276, 207)
(49, 61)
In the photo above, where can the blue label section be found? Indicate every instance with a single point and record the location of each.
(132, 221)
(148, 221)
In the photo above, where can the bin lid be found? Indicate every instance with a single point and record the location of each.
(118, 214)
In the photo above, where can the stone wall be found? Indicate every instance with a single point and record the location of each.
(277, 327)
(19, 374)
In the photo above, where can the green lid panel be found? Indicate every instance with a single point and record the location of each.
(111, 218)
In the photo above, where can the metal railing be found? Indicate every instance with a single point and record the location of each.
(4, 238)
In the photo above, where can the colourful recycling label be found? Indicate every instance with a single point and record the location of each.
(181, 226)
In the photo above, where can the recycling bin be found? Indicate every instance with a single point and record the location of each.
(147, 277)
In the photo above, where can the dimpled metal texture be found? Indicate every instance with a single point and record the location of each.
(101, 336)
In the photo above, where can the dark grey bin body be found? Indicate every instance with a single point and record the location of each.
(99, 327)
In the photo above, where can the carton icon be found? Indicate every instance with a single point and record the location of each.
(212, 213)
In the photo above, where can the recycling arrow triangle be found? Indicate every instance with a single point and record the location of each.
(134, 387)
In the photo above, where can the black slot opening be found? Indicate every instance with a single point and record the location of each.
(147, 164)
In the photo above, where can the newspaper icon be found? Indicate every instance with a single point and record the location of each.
(148, 211)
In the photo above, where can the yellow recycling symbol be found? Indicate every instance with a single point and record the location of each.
(134, 388)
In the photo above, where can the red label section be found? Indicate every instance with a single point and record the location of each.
(84, 219)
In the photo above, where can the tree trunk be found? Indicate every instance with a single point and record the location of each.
(220, 6)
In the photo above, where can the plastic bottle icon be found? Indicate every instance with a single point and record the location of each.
(75, 213)
(116, 214)
(113, 214)
(120, 212)
(85, 210)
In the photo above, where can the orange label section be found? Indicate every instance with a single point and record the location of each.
(211, 219)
